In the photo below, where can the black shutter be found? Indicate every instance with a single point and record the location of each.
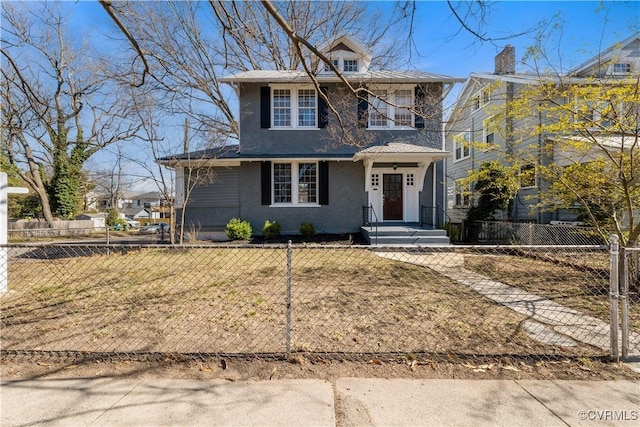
(420, 106)
(323, 111)
(265, 183)
(363, 111)
(323, 183)
(265, 107)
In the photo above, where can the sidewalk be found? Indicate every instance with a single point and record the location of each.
(348, 402)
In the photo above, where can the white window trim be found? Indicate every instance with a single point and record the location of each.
(619, 73)
(456, 139)
(535, 178)
(295, 166)
(485, 124)
(294, 107)
(459, 189)
(391, 124)
(339, 59)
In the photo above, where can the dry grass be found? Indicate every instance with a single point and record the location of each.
(576, 280)
(223, 300)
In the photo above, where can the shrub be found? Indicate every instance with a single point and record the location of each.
(307, 229)
(271, 229)
(238, 229)
(113, 217)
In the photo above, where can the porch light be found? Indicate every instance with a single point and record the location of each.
(395, 166)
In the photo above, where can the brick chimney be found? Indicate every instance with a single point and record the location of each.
(506, 61)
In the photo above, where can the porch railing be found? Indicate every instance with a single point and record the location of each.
(370, 219)
(433, 216)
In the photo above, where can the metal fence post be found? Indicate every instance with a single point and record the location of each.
(289, 296)
(613, 293)
(624, 301)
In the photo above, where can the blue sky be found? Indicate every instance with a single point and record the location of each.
(587, 28)
(442, 47)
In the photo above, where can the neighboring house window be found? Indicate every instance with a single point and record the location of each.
(294, 108)
(462, 145)
(528, 176)
(463, 194)
(486, 96)
(621, 68)
(475, 103)
(391, 108)
(300, 187)
(489, 129)
(350, 65)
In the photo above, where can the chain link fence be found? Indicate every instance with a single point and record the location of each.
(338, 301)
(515, 233)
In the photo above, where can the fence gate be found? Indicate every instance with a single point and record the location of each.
(629, 294)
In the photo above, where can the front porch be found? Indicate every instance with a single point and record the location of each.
(403, 234)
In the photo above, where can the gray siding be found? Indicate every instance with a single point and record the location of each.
(212, 204)
(343, 214)
(223, 190)
(257, 141)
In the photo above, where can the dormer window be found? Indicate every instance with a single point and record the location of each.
(336, 63)
(350, 65)
(621, 68)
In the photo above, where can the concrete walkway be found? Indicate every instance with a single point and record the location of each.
(347, 402)
(549, 322)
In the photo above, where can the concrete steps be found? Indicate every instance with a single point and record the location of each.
(404, 235)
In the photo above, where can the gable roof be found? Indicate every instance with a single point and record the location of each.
(606, 56)
(347, 43)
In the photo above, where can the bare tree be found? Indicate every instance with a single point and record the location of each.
(112, 182)
(59, 104)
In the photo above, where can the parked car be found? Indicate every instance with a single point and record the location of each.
(133, 224)
(155, 228)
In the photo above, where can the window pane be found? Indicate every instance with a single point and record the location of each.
(282, 183)
(307, 107)
(528, 176)
(281, 107)
(307, 183)
(350, 65)
(378, 109)
(403, 116)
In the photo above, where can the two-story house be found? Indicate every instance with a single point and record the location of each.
(292, 166)
(481, 119)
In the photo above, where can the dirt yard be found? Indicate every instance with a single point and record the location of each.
(214, 300)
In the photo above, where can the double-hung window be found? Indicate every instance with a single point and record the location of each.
(295, 107)
(528, 176)
(295, 183)
(378, 116)
(391, 109)
(462, 145)
(489, 131)
(463, 194)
